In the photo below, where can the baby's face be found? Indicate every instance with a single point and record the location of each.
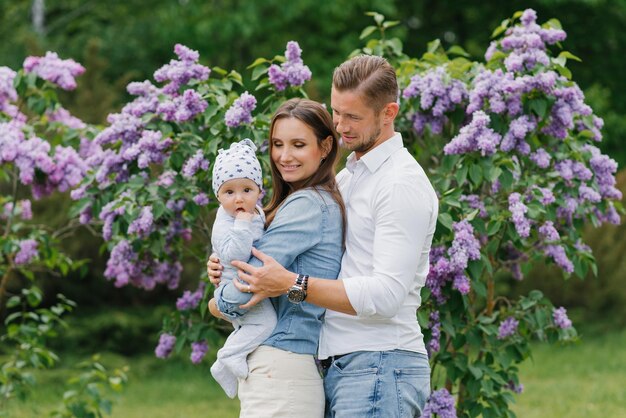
(239, 195)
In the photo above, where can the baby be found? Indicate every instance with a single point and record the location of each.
(237, 183)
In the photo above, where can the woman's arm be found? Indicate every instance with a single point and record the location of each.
(272, 279)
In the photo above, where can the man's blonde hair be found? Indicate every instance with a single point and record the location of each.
(371, 76)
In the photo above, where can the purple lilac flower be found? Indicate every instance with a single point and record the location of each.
(549, 232)
(190, 300)
(557, 252)
(166, 345)
(50, 67)
(438, 274)
(475, 136)
(610, 216)
(464, 247)
(560, 318)
(515, 137)
(125, 266)
(198, 351)
(123, 127)
(7, 91)
(147, 100)
(541, 158)
(179, 73)
(183, 108)
(241, 111)
(461, 283)
(142, 226)
(507, 328)
(85, 215)
(195, 163)
(27, 212)
(63, 116)
(567, 210)
(526, 44)
(547, 197)
(148, 150)
(27, 251)
(474, 202)
(201, 199)
(166, 179)
(588, 194)
(292, 72)
(569, 103)
(440, 403)
(604, 169)
(435, 333)
(33, 154)
(68, 171)
(438, 94)
(495, 91)
(518, 211)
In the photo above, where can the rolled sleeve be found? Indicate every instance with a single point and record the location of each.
(402, 224)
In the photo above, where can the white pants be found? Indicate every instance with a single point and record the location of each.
(281, 384)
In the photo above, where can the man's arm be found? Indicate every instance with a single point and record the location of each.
(272, 279)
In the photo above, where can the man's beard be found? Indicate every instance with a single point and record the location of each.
(369, 144)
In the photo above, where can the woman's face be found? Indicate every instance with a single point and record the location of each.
(295, 150)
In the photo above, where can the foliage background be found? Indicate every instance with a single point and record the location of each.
(119, 41)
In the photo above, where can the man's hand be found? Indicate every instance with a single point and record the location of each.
(269, 280)
(214, 269)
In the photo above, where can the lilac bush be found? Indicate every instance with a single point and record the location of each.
(149, 180)
(39, 140)
(521, 172)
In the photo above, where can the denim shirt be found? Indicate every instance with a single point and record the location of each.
(305, 237)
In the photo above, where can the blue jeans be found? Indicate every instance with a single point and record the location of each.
(374, 384)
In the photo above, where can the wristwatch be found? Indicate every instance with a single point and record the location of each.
(297, 292)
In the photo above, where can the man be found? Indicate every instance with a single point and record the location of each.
(371, 346)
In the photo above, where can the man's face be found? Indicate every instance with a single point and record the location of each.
(358, 124)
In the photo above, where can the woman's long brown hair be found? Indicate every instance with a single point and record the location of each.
(316, 117)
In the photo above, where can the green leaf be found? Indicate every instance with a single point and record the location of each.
(461, 175)
(13, 301)
(457, 50)
(433, 46)
(539, 106)
(476, 174)
(445, 219)
(258, 72)
(494, 227)
(565, 72)
(475, 371)
(367, 32)
(480, 288)
(257, 62)
(569, 55)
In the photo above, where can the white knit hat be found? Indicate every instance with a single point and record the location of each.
(237, 162)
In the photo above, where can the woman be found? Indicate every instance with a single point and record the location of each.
(304, 232)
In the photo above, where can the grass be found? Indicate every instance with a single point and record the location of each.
(582, 380)
(575, 381)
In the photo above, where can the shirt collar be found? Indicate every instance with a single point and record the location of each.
(375, 157)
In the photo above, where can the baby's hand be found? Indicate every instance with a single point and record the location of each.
(245, 216)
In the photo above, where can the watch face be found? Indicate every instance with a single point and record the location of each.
(296, 295)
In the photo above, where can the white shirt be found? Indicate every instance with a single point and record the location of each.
(392, 213)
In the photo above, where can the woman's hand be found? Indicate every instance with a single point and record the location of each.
(214, 269)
